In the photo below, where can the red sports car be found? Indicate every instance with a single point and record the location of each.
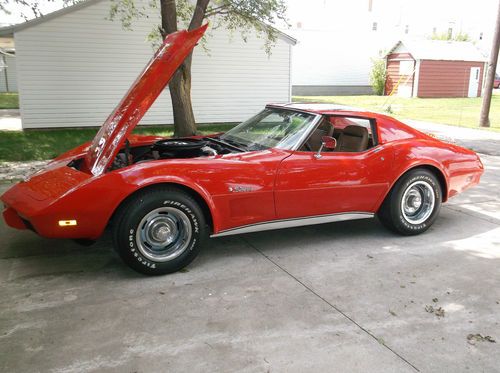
(290, 165)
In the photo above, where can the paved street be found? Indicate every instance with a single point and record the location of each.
(347, 297)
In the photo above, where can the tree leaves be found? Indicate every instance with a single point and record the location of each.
(29, 8)
(243, 16)
(377, 76)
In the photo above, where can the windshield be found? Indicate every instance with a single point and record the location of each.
(271, 128)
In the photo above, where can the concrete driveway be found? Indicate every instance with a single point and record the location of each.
(10, 120)
(347, 297)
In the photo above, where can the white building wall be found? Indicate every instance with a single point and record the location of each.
(73, 70)
(322, 59)
(9, 81)
(334, 62)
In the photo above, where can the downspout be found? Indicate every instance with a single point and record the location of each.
(416, 79)
(290, 90)
(483, 81)
(385, 80)
(5, 73)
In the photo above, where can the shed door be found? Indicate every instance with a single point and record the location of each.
(474, 81)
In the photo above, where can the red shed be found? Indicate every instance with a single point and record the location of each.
(434, 68)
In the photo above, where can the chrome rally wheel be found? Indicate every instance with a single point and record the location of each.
(159, 231)
(418, 202)
(163, 234)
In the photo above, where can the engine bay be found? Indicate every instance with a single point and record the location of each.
(172, 149)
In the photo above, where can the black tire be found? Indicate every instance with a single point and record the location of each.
(169, 209)
(396, 212)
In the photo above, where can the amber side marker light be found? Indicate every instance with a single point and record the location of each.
(67, 223)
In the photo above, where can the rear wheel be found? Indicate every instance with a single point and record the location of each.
(159, 231)
(413, 204)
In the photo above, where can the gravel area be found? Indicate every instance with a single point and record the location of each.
(11, 172)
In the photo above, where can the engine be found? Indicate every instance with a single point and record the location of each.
(169, 149)
(183, 148)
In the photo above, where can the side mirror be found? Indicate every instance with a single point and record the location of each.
(327, 142)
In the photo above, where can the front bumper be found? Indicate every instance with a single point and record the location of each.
(12, 219)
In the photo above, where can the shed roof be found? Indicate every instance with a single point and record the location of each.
(442, 50)
(10, 30)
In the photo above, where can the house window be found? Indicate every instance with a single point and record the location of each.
(374, 26)
(405, 67)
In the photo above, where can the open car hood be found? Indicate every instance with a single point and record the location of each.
(139, 98)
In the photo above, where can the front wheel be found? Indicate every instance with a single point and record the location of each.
(159, 231)
(413, 204)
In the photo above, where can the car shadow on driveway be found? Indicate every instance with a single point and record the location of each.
(44, 257)
(354, 277)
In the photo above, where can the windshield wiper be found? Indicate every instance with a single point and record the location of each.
(229, 143)
(257, 146)
(236, 143)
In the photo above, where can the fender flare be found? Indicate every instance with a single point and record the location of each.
(196, 190)
(430, 164)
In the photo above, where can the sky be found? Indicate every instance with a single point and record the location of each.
(341, 20)
(342, 31)
(16, 11)
(328, 14)
(421, 16)
(354, 19)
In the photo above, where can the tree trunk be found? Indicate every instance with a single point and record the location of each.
(180, 84)
(180, 93)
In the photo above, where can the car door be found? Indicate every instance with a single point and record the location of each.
(335, 182)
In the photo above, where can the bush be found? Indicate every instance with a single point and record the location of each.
(461, 36)
(377, 76)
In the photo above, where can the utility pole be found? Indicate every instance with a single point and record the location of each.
(484, 119)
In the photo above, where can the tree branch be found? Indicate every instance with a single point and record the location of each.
(199, 14)
(213, 11)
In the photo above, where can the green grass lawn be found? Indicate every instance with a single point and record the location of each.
(9, 101)
(46, 144)
(455, 111)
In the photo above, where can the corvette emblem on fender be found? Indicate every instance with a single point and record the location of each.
(240, 189)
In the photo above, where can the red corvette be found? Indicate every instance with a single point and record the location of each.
(290, 165)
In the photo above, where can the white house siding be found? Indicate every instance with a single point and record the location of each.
(73, 69)
(334, 62)
(9, 84)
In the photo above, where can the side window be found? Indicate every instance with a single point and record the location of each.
(352, 134)
(313, 143)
